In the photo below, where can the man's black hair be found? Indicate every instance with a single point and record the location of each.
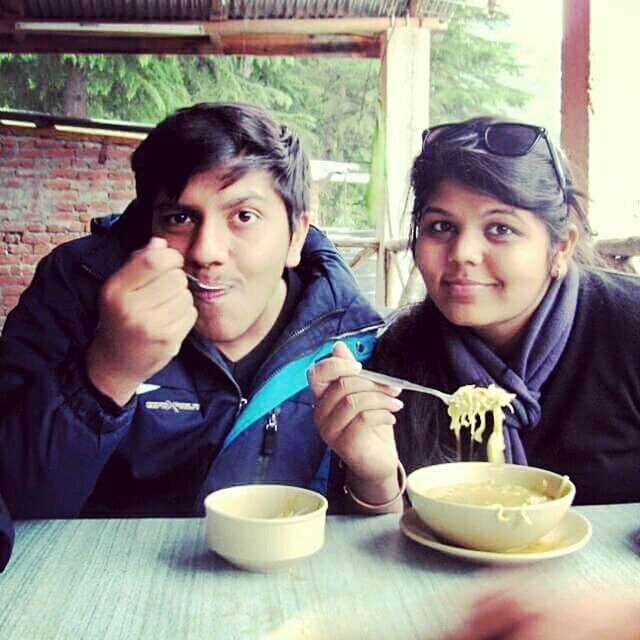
(236, 138)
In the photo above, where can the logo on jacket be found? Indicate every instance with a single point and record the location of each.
(172, 405)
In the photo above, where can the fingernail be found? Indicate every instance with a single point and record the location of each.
(397, 403)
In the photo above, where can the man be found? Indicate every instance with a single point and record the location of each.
(165, 356)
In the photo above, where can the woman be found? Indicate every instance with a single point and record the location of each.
(501, 241)
(6, 535)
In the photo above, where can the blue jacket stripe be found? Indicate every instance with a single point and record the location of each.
(291, 379)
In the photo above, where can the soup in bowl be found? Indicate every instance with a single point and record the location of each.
(262, 527)
(487, 506)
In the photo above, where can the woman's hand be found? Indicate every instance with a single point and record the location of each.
(355, 418)
(579, 615)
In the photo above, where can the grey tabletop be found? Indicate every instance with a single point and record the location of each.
(155, 578)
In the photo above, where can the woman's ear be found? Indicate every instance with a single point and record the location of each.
(564, 252)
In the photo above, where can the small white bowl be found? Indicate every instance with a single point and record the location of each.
(262, 527)
(489, 528)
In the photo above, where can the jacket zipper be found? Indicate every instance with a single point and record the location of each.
(269, 435)
(241, 404)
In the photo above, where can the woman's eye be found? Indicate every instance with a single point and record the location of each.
(500, 230)
(437, 227)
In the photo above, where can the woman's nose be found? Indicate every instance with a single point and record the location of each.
(466, 248)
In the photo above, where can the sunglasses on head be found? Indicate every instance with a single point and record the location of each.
(503, 139)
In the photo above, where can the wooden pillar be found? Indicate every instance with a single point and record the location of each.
(404, 88)
(576, 91)
(600, 104)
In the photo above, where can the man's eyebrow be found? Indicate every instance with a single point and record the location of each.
(176, 207)
(242, 198)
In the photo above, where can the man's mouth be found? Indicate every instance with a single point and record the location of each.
(214, 288)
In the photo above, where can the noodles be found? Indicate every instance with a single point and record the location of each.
(468, 408)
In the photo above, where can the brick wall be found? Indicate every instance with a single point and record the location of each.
(51, 185)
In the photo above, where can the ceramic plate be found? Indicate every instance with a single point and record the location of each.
(573, 532)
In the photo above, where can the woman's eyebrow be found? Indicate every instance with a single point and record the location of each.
(439, 210)
(510, 211)
(498, 210)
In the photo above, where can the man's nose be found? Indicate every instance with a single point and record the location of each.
(210, 243)
(467, 247)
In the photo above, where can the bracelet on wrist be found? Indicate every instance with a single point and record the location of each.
(402, 481)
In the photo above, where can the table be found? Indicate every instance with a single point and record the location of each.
(154, 578)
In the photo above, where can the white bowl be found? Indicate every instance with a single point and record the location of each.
(262, 527)
(489, 528)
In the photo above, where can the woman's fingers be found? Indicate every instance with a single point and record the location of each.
(355, 408)
(340, 364)
(351, 394)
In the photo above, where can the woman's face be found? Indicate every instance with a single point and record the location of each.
(486, 265)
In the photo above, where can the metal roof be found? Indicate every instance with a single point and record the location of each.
(172, 10)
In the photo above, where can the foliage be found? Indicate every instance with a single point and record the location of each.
(331, 102)
(470, 71)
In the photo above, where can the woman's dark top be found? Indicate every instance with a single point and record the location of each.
(6, 535)
(590, 425)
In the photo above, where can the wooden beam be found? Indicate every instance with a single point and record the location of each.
(619, 247)
(11, 9)
(307, 26)
(320, 25)
(130, 139)
(216, 12)
(361, 46)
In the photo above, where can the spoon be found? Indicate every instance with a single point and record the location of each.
(198, 283)
(381, 378)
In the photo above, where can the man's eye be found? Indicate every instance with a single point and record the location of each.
(177, 218)
(245, 216)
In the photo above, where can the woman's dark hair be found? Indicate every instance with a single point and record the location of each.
(236, 138)
(528, 181)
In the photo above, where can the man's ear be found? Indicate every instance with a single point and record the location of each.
(564, 252)
(298, 237)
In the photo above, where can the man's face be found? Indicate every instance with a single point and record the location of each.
(236, 241)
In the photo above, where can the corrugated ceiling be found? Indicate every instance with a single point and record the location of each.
(199, 10)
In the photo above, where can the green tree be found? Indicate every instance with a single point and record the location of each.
(470, 72)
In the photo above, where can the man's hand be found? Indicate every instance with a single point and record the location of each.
(355, 418)
(146, 311)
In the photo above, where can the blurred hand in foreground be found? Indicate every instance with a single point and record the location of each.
(560, 615)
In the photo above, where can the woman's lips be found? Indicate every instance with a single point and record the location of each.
(465, 289)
